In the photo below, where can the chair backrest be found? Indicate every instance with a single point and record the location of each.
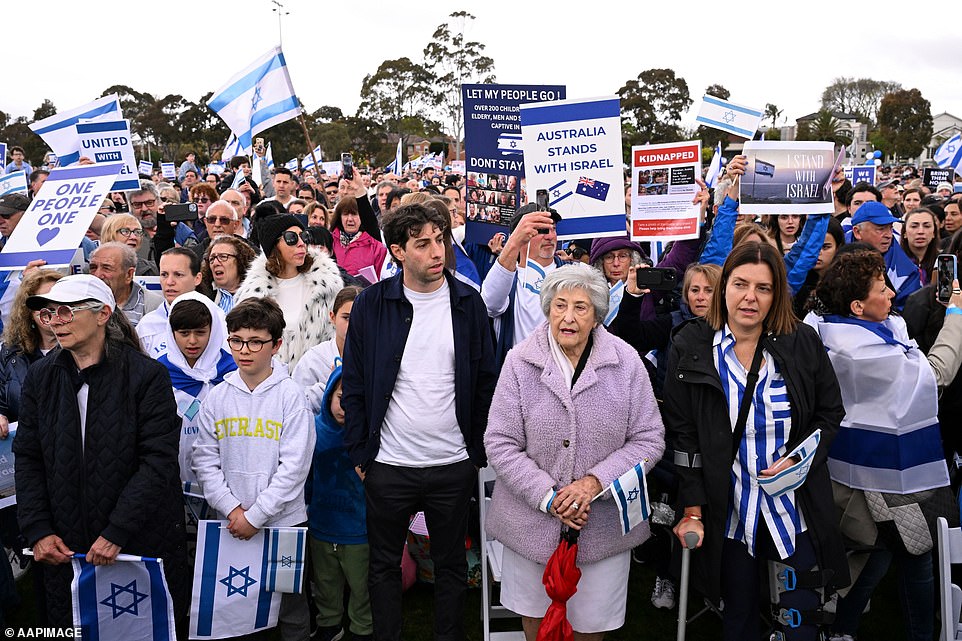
(950, 595)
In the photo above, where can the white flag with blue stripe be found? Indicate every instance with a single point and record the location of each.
(395, 166)
(630, 492)
(291, 164)
(308, 161)
(949, 153)
(125, 601)
(229, 598)
(238, 178)
(233, 148)
(257, 98)
(269, 156)
(714, 168)
(13, 183)
(287, 559)
(60, 133)
(727, 116)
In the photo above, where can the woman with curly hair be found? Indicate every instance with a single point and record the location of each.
(224, 268)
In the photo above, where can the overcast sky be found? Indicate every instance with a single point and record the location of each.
(783, 53)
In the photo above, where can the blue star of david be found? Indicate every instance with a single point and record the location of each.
(287, 562)
(245, 575)
(951, 147)
(729, 117)
(556, 193)
(514, 143)
(256, 98)
(632, 495)
(116, 591)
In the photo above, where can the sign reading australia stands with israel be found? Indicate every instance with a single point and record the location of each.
(787, 178)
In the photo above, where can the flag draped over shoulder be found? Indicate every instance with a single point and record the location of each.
(257, 98)
(125, 601)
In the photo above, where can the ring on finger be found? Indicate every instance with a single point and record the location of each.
(575, 505)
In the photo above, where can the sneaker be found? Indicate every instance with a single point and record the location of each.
(663, 596)
(332, 633)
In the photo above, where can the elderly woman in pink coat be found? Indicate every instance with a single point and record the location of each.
(572, 412)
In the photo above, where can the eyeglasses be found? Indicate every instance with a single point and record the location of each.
(202, 200)
(220, 258)
(620, 256)
(576, 252)
(127, 232)
(254, 344)
(307, 198)
(106, 209)
(222, 220)
(144, 204)
(9, 215)
(65, 312)
(291, 237)
(331, 192)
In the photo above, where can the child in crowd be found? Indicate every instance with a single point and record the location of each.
(338, 530)
(314, 368)
(253, 451)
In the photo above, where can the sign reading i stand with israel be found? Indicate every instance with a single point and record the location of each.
(727, 116)
(662, 188)
(13, 183)
(109, 141)
(788, 178)
(59, 215)
(572, 148)
(59, 130)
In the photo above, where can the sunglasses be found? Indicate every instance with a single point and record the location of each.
(202, 200)
(291, 237)
(222, 220)
(65, 312)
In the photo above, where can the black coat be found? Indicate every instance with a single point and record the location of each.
(121, 482)
(697, 420)
(14, 363)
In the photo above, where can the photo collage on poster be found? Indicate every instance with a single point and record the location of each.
(493, 198)
(653, 182)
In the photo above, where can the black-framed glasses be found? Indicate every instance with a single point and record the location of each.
(576, 252)
(291, 237)
(202, 200)
(65, 312)
(222, 220)
(220, 258)
(253, 345)
(123, 231)
(145, 204)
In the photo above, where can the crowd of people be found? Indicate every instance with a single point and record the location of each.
(330, 353)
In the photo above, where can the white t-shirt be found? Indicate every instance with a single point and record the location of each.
(291, 294)
(313, 370)
(528, 315)
(420, 426)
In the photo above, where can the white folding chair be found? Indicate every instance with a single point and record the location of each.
(491, 555)
(950, 595)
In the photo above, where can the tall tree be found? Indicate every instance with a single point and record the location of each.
(905, 123)
(454, 61)
(651, 106)
(398, 89)
(862, 96)
(773, 112)
(825, 127)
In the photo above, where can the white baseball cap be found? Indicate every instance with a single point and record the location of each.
(74, 289)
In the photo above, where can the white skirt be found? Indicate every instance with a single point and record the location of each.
(597, 606)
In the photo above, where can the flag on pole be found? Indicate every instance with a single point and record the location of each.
(714, 167)
(949, 154)
(257, 98)
(291, 164)
(125, 601)
(13, 183)
(395, 166)
(270, 157)
(59, 131)
(630, 491)
(233, 148)
(727, 116)
(229, 597)
(238, 178)
(308, 161)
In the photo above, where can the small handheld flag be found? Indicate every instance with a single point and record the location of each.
(714, 168)
(949, 153)
(630, 492)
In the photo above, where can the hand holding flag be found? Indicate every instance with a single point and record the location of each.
(630, 492)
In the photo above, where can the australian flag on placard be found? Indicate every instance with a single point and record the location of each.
(592, 188)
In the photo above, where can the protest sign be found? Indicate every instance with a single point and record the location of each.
(458, 167)
(168, 170)
(8, 489)
(787, 178)
(109, 141)
(59, 215)
(572, 148)
(332, 168)
(860, 174)
(662, 188)
(932, 176)
(3, 157)
(13, 183)
(494, 162)
(145, 167)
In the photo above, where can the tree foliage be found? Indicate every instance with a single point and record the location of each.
(905, 123)
(651, 106)
(825, 127)
(398, 89)
(773, 112)
(861, 97)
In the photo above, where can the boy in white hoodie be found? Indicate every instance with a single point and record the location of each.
(253, 452)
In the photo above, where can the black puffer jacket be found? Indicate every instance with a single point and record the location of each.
(121, 482)
(13, 370)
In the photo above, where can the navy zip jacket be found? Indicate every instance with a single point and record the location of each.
(380, 322)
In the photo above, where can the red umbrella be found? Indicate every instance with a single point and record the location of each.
(560, 579)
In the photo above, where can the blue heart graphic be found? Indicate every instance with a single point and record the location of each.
(44, 236)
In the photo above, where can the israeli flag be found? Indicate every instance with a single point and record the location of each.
(615, 295)
(395, 166)
(949, 153)
(60, 133)
(257, 98)
(229, 598)
(269, 156)
(125, 601)
(714, 168)
(291, 164)
(286, 559)
(727, 116)
(13, 183)
(238, 178)
(792, 477)
(307, 162)
(630, 491)
(216, 168)
(233, 148)
(558, 192)
(509, 144)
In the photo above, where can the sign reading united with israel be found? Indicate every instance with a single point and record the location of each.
(572, 148)
(109, 141)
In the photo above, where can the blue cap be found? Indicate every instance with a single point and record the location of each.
(873, 212)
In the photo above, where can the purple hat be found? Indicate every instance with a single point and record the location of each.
(601, 246)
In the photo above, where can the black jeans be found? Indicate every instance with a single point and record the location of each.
(395, 493)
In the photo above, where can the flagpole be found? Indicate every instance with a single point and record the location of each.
(310, 146)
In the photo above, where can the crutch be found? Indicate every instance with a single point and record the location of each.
(691, 540)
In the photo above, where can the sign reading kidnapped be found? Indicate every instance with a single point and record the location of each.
(53, 226)
(110, 142)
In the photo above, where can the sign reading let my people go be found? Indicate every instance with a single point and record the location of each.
(54, 224)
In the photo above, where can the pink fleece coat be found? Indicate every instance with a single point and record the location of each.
(362, 252)
(542, 435)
